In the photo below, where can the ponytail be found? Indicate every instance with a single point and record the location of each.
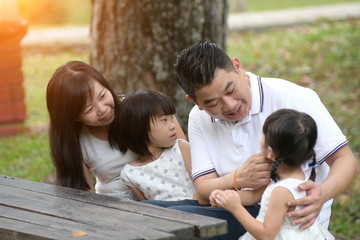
(274, 167)
(313, 165)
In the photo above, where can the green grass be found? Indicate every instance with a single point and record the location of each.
(27, 155)
(323, 56)
(261, 5)
(54, 13)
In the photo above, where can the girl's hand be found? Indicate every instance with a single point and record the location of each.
(212, 198)
(312, 203)
(229, 199)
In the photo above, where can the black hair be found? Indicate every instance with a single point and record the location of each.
(196, 66)
(66, 95)
(292, 136)
(138, 110)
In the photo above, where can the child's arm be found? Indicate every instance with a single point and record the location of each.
(138, 194)
(274, 217)
(126, 179)
(248, 197)
(251, 196)
(185, 152)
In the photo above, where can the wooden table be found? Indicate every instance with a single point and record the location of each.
(35, 210)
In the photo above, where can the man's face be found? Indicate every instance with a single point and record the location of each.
(228, 97)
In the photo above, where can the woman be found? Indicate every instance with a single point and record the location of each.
(84, 129)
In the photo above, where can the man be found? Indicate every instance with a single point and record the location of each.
(225, 129)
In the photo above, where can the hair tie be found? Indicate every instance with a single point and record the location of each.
(312, 164)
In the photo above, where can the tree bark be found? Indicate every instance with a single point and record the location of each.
(135, 43)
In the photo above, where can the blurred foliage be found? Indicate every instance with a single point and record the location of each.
(261, 5)
(323, 56)
(69, 12)
(54, 12)
(27, 155)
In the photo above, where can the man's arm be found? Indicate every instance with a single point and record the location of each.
(254, 173)
(205, 184)
(344, 168)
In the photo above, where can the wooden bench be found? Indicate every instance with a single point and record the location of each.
(35, 210)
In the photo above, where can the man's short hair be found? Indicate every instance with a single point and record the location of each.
(196, 66)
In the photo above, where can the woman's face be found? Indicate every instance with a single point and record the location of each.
(98, 110)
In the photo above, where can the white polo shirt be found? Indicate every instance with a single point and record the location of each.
(221, 146)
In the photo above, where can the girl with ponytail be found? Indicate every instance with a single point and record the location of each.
(288, 141)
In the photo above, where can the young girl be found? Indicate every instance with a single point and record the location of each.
(147, 127)
(288, 140)
(84, 130)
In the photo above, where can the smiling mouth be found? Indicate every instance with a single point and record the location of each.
(234, 114)
(106, 117)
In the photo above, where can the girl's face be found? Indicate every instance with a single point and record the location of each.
(98, 111)
(162, 132)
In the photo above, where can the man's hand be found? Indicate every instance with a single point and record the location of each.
(312, 203)
(255, 172)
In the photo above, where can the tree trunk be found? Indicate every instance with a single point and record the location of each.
(135, 43)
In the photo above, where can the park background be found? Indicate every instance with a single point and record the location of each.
(323, 55)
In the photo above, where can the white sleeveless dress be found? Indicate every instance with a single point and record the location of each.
(287, 231)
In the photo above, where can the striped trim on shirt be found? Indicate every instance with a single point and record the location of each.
(261, 93)
(200, 174)
(333, 151)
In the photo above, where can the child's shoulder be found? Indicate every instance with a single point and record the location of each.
(182, 142)
(141, 161)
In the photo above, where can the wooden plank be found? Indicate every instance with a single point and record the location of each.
(12, 229)
(101, 217)
(31, 223)
(204, 226)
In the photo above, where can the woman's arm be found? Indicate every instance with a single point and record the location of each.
(179, 132)
(138, 194)
(88, 177)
